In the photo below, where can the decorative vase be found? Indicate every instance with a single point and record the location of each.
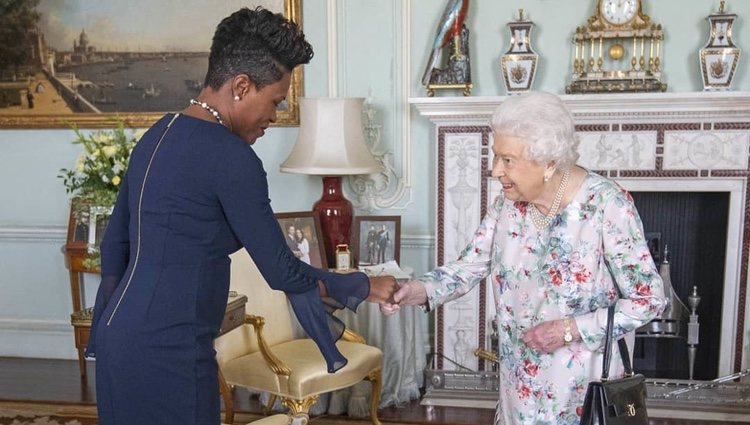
(720, 56)
(519, 63)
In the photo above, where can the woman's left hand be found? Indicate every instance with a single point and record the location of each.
(547, 337)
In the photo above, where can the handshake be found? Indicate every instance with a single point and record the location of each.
(386, 291)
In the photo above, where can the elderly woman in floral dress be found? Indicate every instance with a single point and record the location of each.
(560, 245)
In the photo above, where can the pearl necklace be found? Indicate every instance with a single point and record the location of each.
(211, 110)
(543, 221)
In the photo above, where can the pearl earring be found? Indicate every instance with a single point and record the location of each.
(546, 178)
(236, 98)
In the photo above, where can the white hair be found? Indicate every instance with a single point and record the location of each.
(544, 123)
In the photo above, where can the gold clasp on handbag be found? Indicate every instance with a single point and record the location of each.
(631, 409)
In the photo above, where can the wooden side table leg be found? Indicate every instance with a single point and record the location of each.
(82, 362)
(75, 289)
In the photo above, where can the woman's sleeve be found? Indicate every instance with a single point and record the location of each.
(114, 252)
(630, 266)
(243, 193)
(458, 277)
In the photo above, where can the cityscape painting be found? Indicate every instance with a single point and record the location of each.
(87, 62)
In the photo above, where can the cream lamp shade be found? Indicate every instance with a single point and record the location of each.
(330, 141)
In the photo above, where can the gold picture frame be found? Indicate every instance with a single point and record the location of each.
(36, 99)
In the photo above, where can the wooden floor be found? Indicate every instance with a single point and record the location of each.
(58, 381)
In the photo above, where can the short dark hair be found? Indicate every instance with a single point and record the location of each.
(259, 43)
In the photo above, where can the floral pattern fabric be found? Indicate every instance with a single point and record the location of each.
(575, 268)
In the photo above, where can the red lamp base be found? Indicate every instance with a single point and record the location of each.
(335, 214)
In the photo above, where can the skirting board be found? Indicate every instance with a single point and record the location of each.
(43, 339)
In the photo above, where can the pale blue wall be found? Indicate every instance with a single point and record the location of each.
(34, 294)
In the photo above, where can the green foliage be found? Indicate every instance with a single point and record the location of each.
(18, 21)
(99, 170)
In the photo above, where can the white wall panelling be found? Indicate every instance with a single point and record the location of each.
(387, 117)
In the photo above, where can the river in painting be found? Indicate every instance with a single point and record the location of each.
(154, 84)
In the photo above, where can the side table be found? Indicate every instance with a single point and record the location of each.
(81, 231)
(234, 316)
(81, 317)
(86, 224)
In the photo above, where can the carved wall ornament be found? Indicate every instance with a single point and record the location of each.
(370, 192)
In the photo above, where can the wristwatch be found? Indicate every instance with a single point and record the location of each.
(567, 332)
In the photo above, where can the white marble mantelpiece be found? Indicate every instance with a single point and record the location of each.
(601, 108)
(698, 141)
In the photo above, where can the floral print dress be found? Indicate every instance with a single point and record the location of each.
(575, 268)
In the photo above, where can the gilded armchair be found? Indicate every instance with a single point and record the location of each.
(263, 354)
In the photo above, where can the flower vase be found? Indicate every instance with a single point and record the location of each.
(519, 63)
(719, 58)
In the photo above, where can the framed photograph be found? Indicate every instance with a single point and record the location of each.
(98, 220)
(304, 236)
(376, 239)
(90, 62)
(86, 224)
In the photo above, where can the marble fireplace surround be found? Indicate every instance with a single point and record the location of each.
(694, 142)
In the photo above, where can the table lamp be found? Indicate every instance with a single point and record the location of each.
(331, 144)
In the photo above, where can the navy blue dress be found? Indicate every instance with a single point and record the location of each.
(193, 194)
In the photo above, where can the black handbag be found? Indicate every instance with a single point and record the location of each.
(616, 401)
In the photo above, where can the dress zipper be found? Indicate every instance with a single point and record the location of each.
(140, 201)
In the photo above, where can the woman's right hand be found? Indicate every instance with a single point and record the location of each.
(382, 289)
(411, 293)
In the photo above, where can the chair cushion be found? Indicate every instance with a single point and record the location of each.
(309, 374)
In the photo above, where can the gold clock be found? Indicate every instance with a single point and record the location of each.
(618, 49)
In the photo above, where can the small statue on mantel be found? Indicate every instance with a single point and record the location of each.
(451, 30)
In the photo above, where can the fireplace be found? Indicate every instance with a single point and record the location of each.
(692, 228)
(701, 221)
(677, 149)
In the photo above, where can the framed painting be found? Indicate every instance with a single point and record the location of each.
(90, 63)
(304, 236)
(376, 239)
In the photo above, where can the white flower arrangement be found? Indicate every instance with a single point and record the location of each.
(99, 170)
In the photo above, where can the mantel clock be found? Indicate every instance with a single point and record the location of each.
(617, 50)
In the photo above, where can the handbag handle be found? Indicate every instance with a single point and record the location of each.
(624, 354)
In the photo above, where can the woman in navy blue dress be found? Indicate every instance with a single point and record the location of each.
(195, 192)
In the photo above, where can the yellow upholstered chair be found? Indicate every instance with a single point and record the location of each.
(263, 354)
